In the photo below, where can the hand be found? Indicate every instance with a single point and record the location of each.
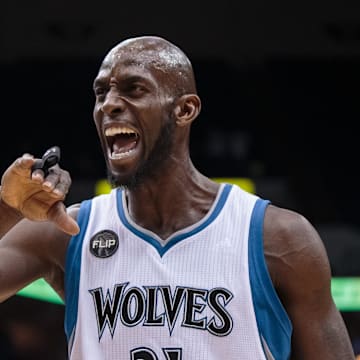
(35, 197)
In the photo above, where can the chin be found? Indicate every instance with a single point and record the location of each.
(129, 181)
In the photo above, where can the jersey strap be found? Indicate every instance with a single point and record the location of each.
(72, 271)
(273, 323)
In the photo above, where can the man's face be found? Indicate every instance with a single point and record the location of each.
(133, 116)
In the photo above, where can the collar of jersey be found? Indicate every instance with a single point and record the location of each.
(162, 246)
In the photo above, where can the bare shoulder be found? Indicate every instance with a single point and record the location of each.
(292, 237)
(300, 270)
(287, 223)
(293, 249)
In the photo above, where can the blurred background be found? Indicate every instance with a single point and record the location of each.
(279, 83)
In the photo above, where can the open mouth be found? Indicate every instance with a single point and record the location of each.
(122, 141)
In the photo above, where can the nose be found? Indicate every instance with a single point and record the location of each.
(113, 103)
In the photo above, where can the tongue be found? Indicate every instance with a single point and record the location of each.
(122, 144)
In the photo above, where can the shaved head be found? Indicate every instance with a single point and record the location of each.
(157, 54)
(146, 86)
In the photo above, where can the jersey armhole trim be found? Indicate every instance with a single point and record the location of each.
(273, 322)
(72, 270)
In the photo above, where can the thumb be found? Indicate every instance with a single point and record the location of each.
(58, 215)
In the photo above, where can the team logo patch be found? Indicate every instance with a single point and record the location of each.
(104, 243)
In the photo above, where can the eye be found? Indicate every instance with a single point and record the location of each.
(135, 89)
(99, 91)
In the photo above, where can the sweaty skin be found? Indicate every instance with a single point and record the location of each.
(146, 101)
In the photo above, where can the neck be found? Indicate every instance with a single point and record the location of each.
(177, 199)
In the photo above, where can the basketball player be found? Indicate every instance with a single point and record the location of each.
(169, 265)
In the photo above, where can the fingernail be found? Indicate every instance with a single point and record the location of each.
(58, 192)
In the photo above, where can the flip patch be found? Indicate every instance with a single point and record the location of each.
(104, 243)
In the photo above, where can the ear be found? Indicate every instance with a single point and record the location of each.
(187, 109)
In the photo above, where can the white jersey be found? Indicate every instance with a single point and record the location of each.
(202, 294)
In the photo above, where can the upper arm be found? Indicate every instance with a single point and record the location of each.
(301, 273)
(31, 250)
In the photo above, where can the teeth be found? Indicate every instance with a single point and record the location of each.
(119, 130)
(115, 155)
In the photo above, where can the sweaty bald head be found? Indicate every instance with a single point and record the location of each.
(159, 55)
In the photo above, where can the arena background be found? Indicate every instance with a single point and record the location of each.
(279, 84)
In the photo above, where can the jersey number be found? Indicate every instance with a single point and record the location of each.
(148, 354)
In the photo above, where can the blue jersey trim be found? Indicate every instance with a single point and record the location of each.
(72, 270)
(155, 243)
(273, 322)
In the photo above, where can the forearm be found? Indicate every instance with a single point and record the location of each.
(9, 217)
